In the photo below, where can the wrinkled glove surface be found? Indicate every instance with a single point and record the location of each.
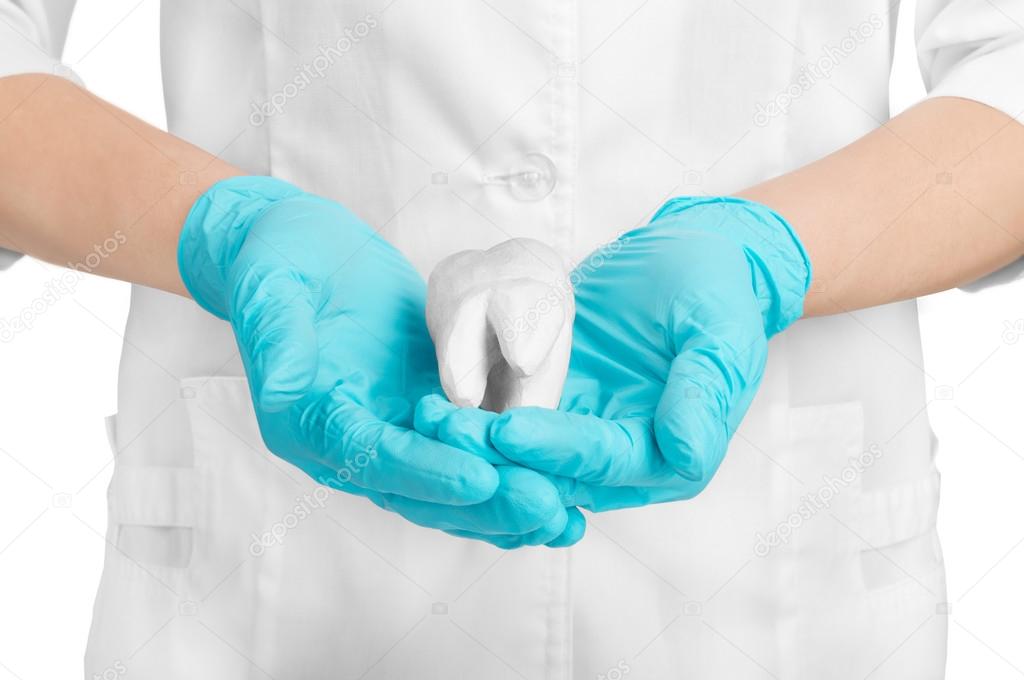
(669, 347)
(329, 321)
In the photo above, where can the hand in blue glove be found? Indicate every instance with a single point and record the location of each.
(329, 320)
(669, 347)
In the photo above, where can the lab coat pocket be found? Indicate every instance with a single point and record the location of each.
(903, 577)
(299, 581)
(145, 588)
(865, 560)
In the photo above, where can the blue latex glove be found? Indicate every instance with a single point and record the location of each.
(669, 347)
(329, 320)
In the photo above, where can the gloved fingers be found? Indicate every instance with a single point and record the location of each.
(562, 532)
(329, 477)
(709, 387)
(463, 428)
(430, 411)
(607, 498)
(559, 531)
(274, 316)
(469, 429)
(415, 511)
(575, 527)
(584, 447)
(505, 542)
(382, 457)
(549, 531)
(523, 504)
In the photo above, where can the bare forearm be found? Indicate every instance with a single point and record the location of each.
(932, 200)
(86, 184)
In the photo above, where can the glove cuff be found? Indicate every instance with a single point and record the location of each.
(215, 229)
(780, 267)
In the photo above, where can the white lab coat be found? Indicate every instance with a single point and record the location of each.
(813, 554)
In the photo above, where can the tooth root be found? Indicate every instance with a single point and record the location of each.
(467, 351)
(527, 316)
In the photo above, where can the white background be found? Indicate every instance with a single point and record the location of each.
(58, 381)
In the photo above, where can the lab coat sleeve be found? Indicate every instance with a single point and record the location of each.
(974, 49)
(32, 34)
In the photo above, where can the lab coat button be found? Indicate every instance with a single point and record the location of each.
(533, 178)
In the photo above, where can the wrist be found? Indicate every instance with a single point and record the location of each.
(214, 230)
(780, 266)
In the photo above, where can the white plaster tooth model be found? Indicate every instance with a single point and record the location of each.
(501, 321)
